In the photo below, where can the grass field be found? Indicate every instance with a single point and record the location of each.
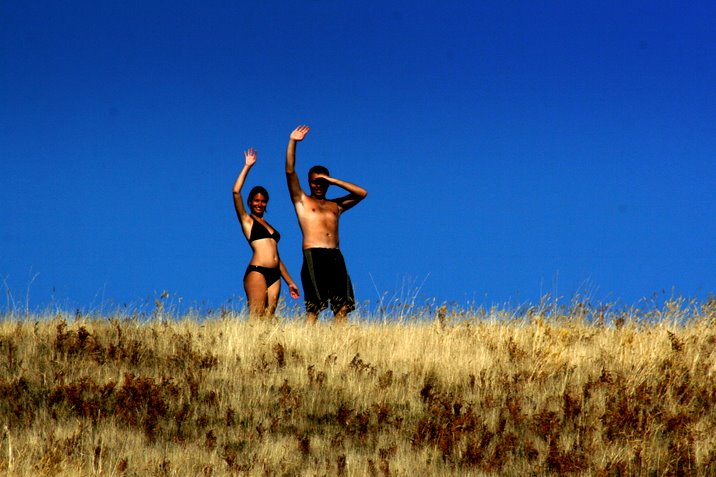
(543, 391)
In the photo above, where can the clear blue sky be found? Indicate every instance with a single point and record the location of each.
(510, 149)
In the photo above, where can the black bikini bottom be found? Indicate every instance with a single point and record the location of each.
(272, 275)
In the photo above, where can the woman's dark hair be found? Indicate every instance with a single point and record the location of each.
(258, 190)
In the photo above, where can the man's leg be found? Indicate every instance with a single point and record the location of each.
(343, 300)
(309, 282)
(311, 317)
(341, 316)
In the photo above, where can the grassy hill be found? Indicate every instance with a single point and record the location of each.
(540, 392)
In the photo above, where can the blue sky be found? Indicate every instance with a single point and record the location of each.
(510, 149)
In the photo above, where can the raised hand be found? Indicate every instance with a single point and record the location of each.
(250, 155)
(299, 133)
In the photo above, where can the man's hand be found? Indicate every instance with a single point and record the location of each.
(250, 157)
(323, 177)
(299, 133)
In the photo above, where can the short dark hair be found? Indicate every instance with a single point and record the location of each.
(258, 190)
(318, 170)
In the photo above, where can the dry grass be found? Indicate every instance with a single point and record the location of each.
(547, 392)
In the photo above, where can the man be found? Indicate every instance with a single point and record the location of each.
(323, 275)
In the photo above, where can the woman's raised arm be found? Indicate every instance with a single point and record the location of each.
(250, 156)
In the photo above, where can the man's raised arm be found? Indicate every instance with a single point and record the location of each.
(294, 187)
(355, 192)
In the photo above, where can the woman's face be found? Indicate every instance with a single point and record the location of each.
(258, 204)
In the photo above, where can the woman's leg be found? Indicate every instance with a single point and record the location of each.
(273, 293)
(256, 294)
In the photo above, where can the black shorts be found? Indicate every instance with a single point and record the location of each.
(324, 278)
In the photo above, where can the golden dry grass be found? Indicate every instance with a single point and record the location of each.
(484, 393)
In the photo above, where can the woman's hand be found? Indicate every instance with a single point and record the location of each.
(293, 290)
(250, 155)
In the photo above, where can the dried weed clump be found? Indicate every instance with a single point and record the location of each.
(547, 391)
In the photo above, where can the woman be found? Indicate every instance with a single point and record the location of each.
(262, 280)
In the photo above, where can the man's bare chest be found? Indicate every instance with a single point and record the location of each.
(322, 208)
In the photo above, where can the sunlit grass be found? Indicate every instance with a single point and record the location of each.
(539, 390)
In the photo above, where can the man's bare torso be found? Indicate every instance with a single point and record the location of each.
(318, 219)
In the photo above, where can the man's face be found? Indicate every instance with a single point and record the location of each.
(318, 185)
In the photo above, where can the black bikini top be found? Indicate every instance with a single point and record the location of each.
(259, 231)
